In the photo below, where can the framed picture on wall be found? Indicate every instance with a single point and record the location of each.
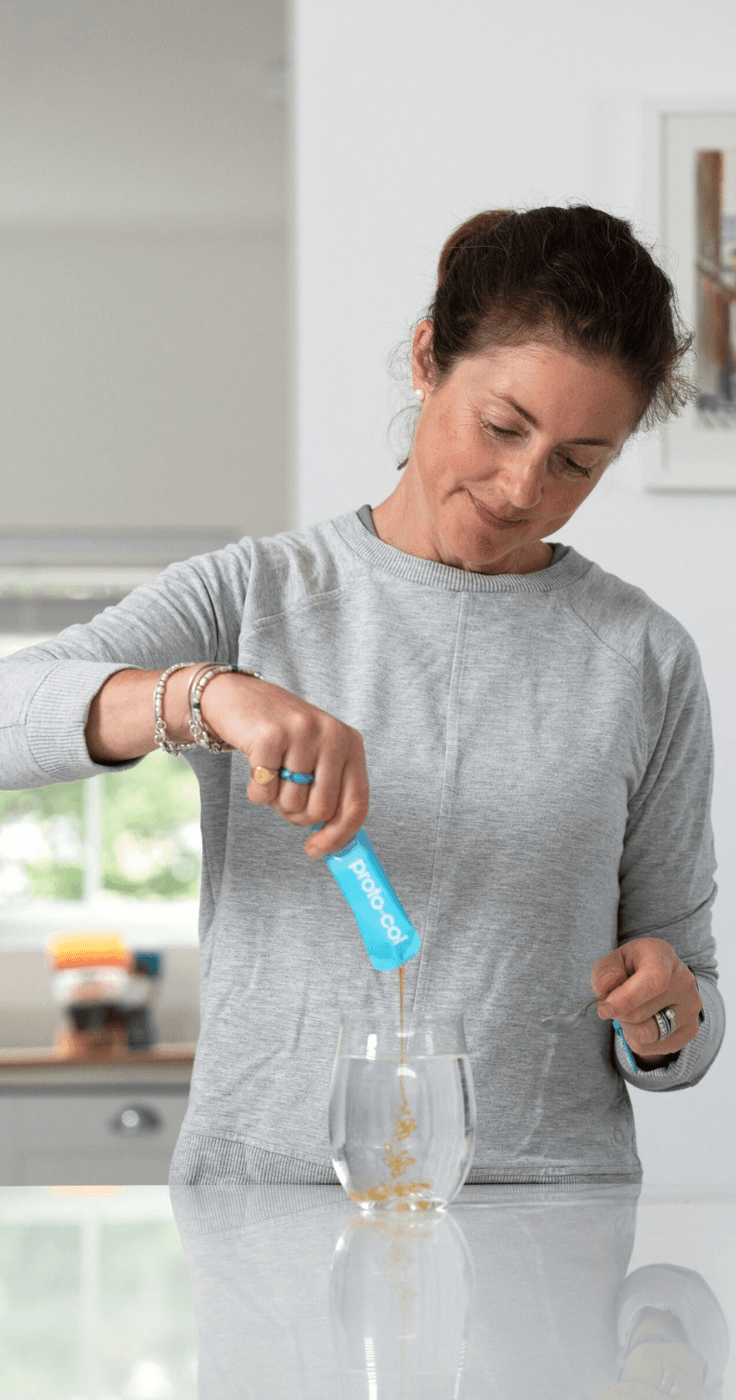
(697, 167)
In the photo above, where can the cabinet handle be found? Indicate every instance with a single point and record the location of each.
(134, 1120)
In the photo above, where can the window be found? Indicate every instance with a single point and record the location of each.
(119, 850)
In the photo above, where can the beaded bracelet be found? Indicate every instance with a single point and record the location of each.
(201, 675)
(160, 735)
(197, 684)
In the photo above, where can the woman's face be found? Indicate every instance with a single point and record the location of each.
(505, 450)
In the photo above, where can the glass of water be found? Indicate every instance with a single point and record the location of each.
(402, 1110)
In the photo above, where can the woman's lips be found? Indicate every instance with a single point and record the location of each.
(487, 515)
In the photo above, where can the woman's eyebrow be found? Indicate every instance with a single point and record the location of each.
(577, 442)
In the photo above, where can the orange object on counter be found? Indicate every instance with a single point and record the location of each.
(71, 950)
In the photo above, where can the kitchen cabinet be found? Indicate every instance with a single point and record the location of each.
(82, 1123)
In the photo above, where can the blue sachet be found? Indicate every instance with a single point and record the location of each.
(388, 933)
(629, 1056)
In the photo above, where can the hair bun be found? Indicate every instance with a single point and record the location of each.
(577, 276)
(466, 234)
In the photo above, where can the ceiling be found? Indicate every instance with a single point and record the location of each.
(152, 112)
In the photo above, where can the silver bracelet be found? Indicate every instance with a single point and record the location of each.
(196, 686)
(160, 735)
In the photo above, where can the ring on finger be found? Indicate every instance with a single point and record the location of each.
(264, 775)
(666, 1022)
(291, 777)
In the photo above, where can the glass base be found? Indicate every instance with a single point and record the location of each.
(406, 1203)
(389, 1196)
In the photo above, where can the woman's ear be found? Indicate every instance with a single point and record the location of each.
(421, 357)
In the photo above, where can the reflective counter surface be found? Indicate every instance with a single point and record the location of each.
(520, 1293)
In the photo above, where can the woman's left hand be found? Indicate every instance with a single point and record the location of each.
(638, 979)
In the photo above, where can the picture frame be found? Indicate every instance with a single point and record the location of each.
(695, 157)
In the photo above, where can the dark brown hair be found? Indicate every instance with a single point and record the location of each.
(575, 275)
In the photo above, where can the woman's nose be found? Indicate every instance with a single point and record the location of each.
(522, 482)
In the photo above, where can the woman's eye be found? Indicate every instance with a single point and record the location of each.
(572, 468)
(575, 468)
(502, 432)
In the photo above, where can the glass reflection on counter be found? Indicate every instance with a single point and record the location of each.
(516, 1292)
(400, 1302)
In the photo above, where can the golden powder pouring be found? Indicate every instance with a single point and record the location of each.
(396, 1158)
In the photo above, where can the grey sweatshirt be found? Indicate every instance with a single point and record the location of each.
(540, 756)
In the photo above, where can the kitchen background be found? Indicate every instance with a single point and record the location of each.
(218, 220)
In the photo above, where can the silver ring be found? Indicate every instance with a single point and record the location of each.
(666, 1022)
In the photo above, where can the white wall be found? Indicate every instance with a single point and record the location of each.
(411, 116)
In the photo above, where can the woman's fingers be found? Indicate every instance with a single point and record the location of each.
(351, 807)
(305, 749)
(262, 788)
(644, 1036)
(633, 975)
(265, 767)
(660, 980)
(646, 1041)
(320, 753)
(609, 972)
(276, 730)
(656, 979)
(337, 799)
(323, 796)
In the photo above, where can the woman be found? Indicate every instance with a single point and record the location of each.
(535, 731)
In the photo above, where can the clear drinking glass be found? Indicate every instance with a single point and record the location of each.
(402, 1110)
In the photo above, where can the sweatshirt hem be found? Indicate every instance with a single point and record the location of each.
(202, 1159)
(551, 1180)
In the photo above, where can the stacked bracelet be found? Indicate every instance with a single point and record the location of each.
(200, 735)
(196, 686)
(160, 735)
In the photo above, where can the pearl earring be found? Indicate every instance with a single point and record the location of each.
(420, 394)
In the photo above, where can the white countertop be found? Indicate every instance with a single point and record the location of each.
(521, 1293)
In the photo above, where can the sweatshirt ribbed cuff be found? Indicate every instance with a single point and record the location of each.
(57, 716)
(694, 1059)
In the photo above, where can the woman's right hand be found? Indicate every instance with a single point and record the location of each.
(275, 729)
(272, 727)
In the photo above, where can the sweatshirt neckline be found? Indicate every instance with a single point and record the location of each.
(431, 574)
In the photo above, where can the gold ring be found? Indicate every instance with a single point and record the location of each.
(264, 775)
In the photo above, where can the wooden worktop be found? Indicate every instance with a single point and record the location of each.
(43, 1069)
(45, 1057)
